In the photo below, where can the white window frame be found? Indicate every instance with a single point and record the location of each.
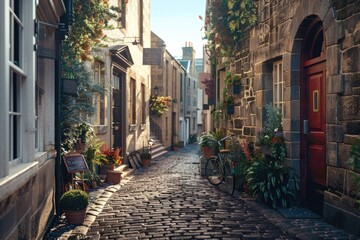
(16, 79)
(99, 99)
(278, 86)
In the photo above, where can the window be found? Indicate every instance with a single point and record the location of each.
(132, 119)
(143, 104)
(99, 99)
(16, 77)
(39, 93)
(278, 86)
(181, 87)
(122, 13)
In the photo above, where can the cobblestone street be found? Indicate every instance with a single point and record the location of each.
(171, 200)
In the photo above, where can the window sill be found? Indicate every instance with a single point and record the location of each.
(100, 129)
(18, 176)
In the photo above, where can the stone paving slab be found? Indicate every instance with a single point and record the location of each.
(170, 200)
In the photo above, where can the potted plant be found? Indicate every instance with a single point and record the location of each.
(81, 133)
(74, 203)
(229, 102)
(208, 144)
(236, 81)
(112, 159)
(145, 158)
(176, 146)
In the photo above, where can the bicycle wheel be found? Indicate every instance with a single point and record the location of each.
(213, 171)
(229, 176)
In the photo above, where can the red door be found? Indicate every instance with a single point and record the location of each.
(313, 102)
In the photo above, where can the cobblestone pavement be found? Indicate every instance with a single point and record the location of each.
(170, 200)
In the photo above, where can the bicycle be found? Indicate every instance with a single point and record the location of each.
(220, 168)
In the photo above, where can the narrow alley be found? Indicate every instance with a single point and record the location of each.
(171, 200)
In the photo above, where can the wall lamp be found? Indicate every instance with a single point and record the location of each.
(135, 42)
(156, 90)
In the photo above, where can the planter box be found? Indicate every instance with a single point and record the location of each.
(105, 168)
(113, 177)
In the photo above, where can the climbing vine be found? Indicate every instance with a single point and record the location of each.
(86, 34)
(226, 23)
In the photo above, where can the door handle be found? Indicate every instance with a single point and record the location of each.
(306, 126)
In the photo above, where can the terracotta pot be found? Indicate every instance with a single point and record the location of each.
(113, 177)
(145, 162)
(80, 146)
(207, 152)
(93, 184)
(106, 168)
(75, 216)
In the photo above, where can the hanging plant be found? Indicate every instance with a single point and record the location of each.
(159, 104)
(209, 87)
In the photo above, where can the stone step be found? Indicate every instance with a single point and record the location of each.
(158, 154)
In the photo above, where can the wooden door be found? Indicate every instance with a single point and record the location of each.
(313, 102)
(117, 114)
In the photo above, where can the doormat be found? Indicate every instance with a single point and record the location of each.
(294, 213)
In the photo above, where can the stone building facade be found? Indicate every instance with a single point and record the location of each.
(166, 79)
(303, 56)
(27, 89)
(124, 115)
(191, 92)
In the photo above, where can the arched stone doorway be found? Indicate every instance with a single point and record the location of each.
(313, 114)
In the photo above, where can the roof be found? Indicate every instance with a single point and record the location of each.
(185, 64)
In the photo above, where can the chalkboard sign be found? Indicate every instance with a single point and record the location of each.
(75, 162)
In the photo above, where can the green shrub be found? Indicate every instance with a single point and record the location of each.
(74, 200)
(354, 163)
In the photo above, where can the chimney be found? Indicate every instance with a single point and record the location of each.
(188, 52)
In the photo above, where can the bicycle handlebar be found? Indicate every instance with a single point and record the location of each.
(224, 138)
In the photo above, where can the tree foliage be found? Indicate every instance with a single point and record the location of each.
(86, 34)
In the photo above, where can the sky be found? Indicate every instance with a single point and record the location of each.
(176, 22)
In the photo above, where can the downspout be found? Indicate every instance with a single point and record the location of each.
(58, 123)
(66, 20)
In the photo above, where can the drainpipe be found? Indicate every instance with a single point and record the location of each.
(66, 20)
(58, 124)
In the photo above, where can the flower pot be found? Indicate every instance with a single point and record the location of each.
(207, 152)
(106, 167)
(75, 216)
(236, 89)
(113, 177)
(80, 146)
(145, 162)
(230, 110)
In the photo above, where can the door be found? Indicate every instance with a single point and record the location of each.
(313, 141)
(117, 112)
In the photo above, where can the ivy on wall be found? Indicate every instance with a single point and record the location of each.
(226, 24)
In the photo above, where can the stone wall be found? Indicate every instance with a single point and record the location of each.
(278, 36)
